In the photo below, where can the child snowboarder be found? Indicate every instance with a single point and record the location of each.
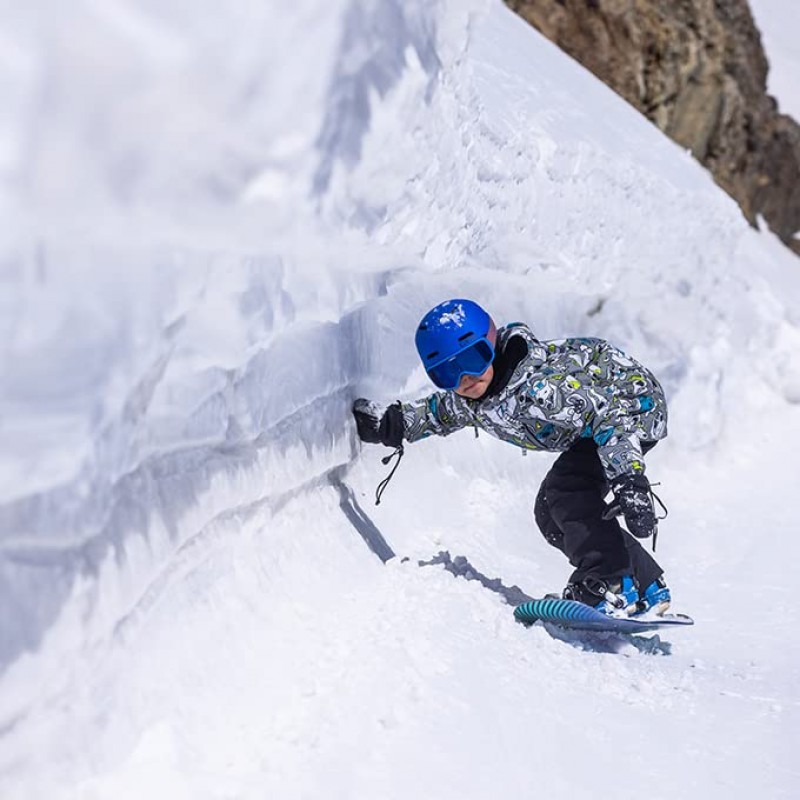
(582, 397)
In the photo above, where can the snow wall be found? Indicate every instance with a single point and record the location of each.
(228, 232)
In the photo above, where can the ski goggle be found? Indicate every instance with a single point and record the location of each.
(474, 360)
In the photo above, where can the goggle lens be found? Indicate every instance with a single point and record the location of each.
(475, 360)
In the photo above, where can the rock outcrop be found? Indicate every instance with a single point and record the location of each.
(697, 69)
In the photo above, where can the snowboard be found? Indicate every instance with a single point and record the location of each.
(577, 616)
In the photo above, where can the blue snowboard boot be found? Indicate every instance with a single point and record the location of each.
(656, 598)
(614, 597)
(621, 596)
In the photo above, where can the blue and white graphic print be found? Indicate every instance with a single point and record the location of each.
(562, 390)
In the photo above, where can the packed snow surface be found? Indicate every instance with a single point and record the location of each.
(222, 227)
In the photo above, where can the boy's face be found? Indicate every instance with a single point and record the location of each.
(474, 386)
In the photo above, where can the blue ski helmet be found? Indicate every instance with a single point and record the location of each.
(452, 341)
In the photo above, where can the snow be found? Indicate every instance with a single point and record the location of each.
(779, 23)
(223, 238)
(455, 317)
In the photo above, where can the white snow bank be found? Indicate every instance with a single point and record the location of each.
(223, 238)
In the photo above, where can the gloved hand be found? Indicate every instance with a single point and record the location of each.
(633, 499)
(379, 426)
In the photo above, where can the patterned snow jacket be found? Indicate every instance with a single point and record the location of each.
(561, 391)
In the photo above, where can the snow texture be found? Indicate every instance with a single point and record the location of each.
(455, 317)
(222, 226)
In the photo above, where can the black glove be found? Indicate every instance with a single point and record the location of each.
(377, 426)
(634, 500)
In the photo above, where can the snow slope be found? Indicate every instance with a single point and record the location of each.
(217, 248)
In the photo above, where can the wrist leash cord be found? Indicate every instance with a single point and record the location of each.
(399, 452)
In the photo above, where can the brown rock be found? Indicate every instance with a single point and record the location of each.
(697, 69)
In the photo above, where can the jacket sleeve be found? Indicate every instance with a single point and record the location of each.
(637, 411)
(439, 414)
(620, 453)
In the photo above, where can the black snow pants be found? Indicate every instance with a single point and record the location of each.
(569, 512)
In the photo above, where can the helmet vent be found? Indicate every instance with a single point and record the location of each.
(465, 336)
(433, 354)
